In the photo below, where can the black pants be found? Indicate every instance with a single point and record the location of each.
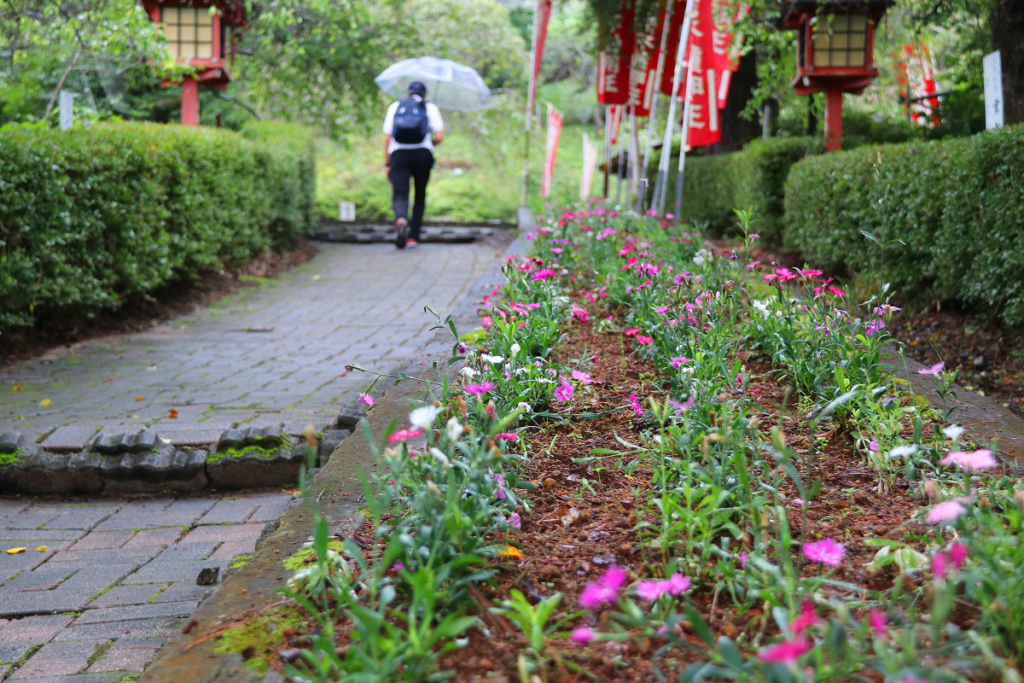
(414, 163)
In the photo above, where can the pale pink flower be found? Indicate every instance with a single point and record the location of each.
(825, 551)
(478, 389)
(404, 434)
(582, 377)
(681, 407)
(974, 461)
(786, 652)
(945, 512)
(678, 361)
(515, 521)
(367, 399)
(582, 635)
(933, 370)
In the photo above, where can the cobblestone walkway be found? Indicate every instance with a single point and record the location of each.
(103, 582)
(267, 355)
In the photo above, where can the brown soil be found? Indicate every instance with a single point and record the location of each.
(171, 302)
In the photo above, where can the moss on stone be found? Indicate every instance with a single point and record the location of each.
(307, 556)
(262, 635)
(9, 458)
(240, 561)
(266, 448)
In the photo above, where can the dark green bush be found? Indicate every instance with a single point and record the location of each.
(91, 219)
(950, 214)
(754, 177)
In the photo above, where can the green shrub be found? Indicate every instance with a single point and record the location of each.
(950, 214)
(754, 177)
(91, 219)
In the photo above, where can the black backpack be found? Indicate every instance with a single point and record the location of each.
(411, 124)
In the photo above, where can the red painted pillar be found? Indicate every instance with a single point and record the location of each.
(833, 120)
(190, 102)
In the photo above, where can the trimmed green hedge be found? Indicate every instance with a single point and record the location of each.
(956, 205)
(91, 219)
(754, 177)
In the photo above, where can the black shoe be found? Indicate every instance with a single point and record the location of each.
(401, 232)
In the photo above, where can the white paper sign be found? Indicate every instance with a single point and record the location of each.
(993, 68)
(67, 111)
(346, 211)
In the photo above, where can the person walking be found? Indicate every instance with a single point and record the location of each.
(412, 127)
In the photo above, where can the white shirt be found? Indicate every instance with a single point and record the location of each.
(435, 124)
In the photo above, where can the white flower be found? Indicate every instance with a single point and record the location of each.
(953, 432)
(763, 308)
(523, 406)
(515, 349)
(467, 372)
(440, 457)
(454, 429)
(491, 359)
(903, 451)
(423, 418)
(701, 256)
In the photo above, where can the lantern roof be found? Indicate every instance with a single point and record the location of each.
(232, 11)
(794, 12)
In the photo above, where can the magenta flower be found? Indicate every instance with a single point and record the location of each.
(681, 407)
(678, 361)
(583, 635)
(605, 590)
(753, 265)
(563, 392)
(743, 560)
(808, 618)
(873, 444)
(677, 584)
(945, 512)
(367, 399)
(957, 552)
(582, 377)
(541, 275)
(642, 340)
(786, 652)
(404, 434)
(506, 436)
(939, 565)
(878, 622)
(825, 551)
(478, 389)
(874, 326)
(974, 461)
(486, 322)
(631, 331)
(634, 403)
(580, 314)
(661, 310)
(515, 521)
(933, 370)
(651, 590)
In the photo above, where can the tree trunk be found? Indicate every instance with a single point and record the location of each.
(1007, 25)
(738, 131)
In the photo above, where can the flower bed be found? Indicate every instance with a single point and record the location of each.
(663, 462)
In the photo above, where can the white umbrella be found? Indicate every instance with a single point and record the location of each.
(450, 85)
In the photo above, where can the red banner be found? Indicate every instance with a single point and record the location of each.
(613, 64)
(540, 34)
(644, 70)
(675, 27)
(705, 127)
(726, 44)
(614, 122)
(554, 133)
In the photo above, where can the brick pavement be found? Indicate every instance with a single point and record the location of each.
(104, 582)
(267, 355)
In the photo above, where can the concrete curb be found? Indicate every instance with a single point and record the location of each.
(337, 487)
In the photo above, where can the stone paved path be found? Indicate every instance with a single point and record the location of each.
(105, 581)
(264, 356)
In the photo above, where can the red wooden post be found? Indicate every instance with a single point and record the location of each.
(190, 101)
(833, 120)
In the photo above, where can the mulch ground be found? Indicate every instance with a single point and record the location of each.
(136, 316)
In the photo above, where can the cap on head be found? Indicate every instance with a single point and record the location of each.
(417, 88)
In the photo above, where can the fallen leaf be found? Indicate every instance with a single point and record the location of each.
(317, 277)
(510, 552)
(571, 516)
(16, 387)
(42, 549)
(140, 398)
(45, 402)
(16, 551)
(173, 414)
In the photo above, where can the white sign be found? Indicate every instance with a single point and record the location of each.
(346, 211)
(67, 111)
(993, 67)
